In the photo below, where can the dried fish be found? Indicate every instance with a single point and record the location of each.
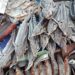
(51, 48)
(44, 39)
(34, 40)
(64, 21)
(48, 69)
(60, 65)
(58, 37)
(41, 68)
(55, 36)
(49, 8)
(39, 29)
(22, 37)
(45, 26)
(66, 66)
(52, 26)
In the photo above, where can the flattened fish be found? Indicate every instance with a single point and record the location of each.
(51, 48)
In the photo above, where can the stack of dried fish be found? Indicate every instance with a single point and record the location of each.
(37, 37)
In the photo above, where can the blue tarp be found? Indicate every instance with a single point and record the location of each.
(4, 42)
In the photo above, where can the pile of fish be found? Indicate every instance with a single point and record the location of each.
(37, 37)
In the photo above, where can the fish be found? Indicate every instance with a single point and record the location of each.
(60, 65)
(51, 47)
(21, 38)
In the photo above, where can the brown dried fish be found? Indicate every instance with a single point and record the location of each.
(49, 8)
(66, 67)
(21, 38)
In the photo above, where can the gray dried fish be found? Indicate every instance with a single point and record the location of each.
(39, 29)
(51, 48)
(58, 37)
(63, 19)
(34, 40)
(52, 26)
(34, 44)
(42, 69)
(66, 67)
(44, 39)
(21, 38)
(60, 65)
(49, 8)
(48, 69)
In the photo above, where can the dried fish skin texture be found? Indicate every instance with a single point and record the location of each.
(49, 8)
(51, 48)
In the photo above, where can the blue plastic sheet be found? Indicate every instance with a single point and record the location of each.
(4, 42)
